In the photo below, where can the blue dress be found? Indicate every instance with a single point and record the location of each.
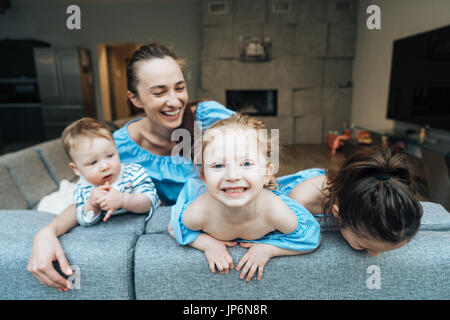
(305, 237)
(289, 182)
(167, 173)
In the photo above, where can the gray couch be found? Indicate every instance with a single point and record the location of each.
(127, 258)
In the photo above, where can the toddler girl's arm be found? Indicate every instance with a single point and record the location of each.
(257, 256)
(215, 251)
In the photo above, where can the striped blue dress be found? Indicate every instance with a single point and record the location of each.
(132, 178)
(289, 182)
(305, 237)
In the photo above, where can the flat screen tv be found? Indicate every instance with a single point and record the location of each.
(419, 90)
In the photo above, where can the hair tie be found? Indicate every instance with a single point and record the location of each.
(382, 176)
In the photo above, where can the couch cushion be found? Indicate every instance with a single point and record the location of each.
(165, 270)
(434, 218)
(104, 253)
(105, 262)
(30, 174)
(56, 160)
(30, 221)
(159, 221)
(11, 197)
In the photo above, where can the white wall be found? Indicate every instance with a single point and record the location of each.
(176, 23)
(372, 64)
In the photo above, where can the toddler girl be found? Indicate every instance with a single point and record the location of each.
(235, 200)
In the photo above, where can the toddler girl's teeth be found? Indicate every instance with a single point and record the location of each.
(235, 190)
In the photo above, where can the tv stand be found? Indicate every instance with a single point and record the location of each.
(435, 156)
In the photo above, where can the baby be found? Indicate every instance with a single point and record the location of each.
(105, 185)
(235, 200)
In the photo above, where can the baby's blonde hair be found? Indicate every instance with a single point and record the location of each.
(237, 121)
(82, 128)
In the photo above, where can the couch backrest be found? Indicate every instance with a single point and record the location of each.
(30, 174)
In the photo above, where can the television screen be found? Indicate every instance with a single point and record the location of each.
(419, 90)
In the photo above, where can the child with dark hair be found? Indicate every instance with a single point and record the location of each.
(372, 196)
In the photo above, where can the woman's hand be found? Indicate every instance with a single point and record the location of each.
(46, 249)
(254, 259)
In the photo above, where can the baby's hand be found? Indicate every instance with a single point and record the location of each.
(110, 202)
(98, 193)
(256, 257)
(218, 256)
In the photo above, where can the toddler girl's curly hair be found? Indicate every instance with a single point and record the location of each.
(237, 121)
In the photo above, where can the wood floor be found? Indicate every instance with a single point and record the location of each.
(298, 157)
(305, 156)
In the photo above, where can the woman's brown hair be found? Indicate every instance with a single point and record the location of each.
(375, 193)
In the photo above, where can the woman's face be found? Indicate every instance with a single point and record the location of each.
(161, 92)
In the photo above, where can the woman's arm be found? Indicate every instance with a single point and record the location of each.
(47, 248)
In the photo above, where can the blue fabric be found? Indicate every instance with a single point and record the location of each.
(306, 236)
(169, 175)
(289, 182)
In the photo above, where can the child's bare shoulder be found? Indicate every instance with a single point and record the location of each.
(280, 215)
(194, 217)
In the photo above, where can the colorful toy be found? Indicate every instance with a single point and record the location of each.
(364, 137)
(336, 138)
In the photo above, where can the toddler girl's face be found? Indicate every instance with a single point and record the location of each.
(235, 168)
(96, 159)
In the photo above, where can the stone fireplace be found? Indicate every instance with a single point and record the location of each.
(253, 102)
(308, 70)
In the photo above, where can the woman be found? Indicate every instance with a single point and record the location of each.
(156, 85)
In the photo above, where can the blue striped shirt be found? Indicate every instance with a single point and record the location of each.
(133, 178)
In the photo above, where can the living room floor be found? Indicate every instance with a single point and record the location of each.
(298, 157)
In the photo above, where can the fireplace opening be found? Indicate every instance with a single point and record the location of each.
(253, 102)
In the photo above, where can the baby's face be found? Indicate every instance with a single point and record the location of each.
(372, 246)
(96, 159)
(235, 171)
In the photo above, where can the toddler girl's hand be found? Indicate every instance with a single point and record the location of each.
(254, 259)
(217, 254)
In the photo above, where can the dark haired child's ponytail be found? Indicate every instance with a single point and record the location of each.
(376, 194)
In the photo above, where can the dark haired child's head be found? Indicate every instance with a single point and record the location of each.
(90, 146)
(373, 197)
